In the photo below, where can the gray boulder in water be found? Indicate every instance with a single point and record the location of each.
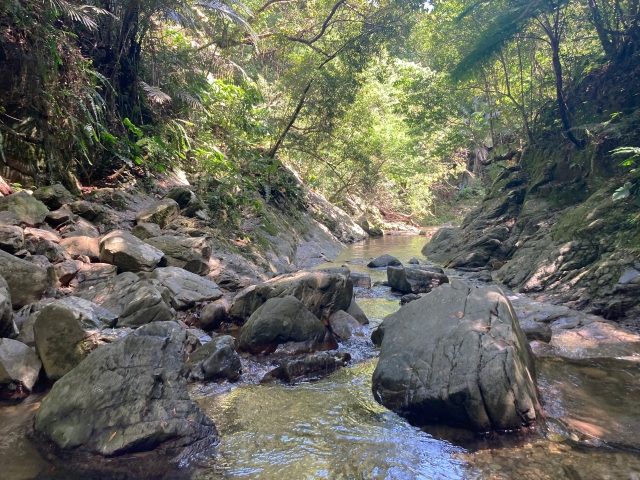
(457, 356)
(414, 279)
(216, 359)
(283, 321)
(125, 397)
(322, 292)
(384, 261)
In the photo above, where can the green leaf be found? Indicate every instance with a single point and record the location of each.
(636, 201)
(135, 130)
(622, 192)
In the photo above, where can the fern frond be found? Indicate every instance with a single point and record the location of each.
(155, 94)
(190, 100)
(83, 14)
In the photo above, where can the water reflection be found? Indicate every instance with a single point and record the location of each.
(327, 429)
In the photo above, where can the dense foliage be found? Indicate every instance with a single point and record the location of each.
(386, 102)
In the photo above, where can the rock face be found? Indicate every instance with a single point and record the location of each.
(189, 253)
(282, 321)
(216, 359)
(414, 279)
(136, 302)
(65, 333)
(93, 274)
(81, 245)
(546, 226)
(29, 211)
(53, 196)
(362, 280)
(129, 253)
(457, 356)
(19, 369)
(185, 288)
(27, 282)
(384, 261)
(160, 212)
(125, 397)
(323, 293)
(11, 238)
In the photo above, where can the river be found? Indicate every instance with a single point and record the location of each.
(333, 429)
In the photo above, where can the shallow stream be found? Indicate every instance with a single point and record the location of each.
(333, 429)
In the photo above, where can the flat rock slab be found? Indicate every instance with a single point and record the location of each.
(129, 253)
(136, 302)
(82, 245)
(28, 210)
(128, 396)
(189, 253)
(457, 356)
(27, 282)
(160, 212)
(186, 288)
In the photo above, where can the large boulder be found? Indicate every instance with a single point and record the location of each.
(189, 253)
(19, 369)
(136, 302)
(216, 359)
(11, 238)
(53, 196)
(82, 246)
(282, 321)
(189, 203)
(414, 279)
(6, 310)
(126, 397)
(384, 261)
(93, 274)
(129, 253)
(64, 336)
(457, 356)
(185, 288)
(29, 211)
(323, 293)
(27, 282)
(160, 212)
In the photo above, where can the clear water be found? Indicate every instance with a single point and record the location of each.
(333, 429)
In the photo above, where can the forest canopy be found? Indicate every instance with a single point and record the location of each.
(383, 102)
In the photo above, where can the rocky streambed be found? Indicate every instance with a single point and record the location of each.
(270, 420)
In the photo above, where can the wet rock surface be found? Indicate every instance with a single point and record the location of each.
(283, 322)
(457, 356)
(384, 261)
(322, 293)
(133, 387)
(215, 360)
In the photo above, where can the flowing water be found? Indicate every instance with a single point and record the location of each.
(333, 429)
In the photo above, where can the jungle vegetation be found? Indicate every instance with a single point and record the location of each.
(380, 101)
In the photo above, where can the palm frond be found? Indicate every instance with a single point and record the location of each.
(190, 100)
(155, 94)
(83, 14)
